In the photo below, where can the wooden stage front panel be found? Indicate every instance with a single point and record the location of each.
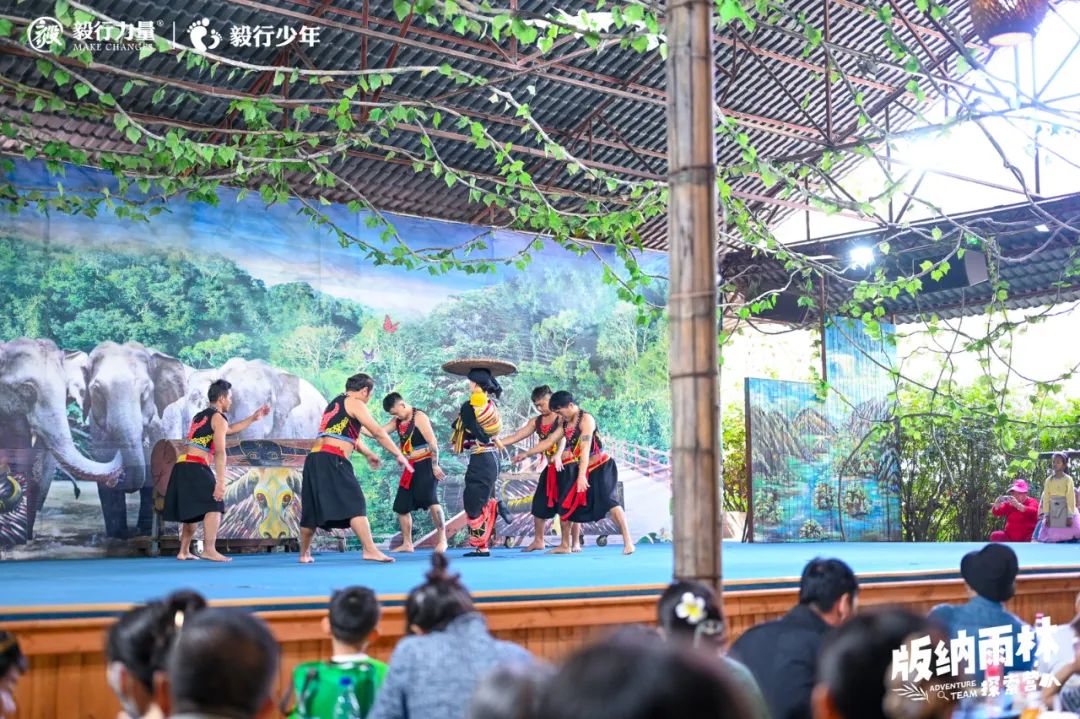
(67, 676)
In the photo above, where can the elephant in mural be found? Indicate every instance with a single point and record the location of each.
(295, 405)
(33, 414)
(127, 388)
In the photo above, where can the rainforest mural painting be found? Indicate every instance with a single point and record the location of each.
(110, 331)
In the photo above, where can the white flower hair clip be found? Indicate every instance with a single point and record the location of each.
(691, 608)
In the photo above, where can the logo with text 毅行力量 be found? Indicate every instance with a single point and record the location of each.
(43, 32)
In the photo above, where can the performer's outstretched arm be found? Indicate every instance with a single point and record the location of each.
(524, 433)
(248, 421)
(368, 422)
(540, 446)
(372, 458)
(388, 427)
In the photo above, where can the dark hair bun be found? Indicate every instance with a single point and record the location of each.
(184, 602)
(176, 609)
(439, 572)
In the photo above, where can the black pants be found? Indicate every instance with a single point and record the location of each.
(480, 478)
(330, 495)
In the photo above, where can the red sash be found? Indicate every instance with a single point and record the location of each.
(419, 455)
(196, 459)
(552, 485)
(576, 499)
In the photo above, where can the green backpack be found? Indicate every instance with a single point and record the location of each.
(315, 687)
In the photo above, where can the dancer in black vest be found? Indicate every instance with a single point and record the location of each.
(593, 495)
(417, 489)
(555, 480)
(330, 496)
(195, 494)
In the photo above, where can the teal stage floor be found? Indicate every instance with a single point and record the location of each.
(95, 587)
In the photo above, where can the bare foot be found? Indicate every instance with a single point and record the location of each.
(561, 549)
(576, 548)
(307, 559)
(440, 547)
(185, 556)
(403, 548)
(534, 547)
(215, 556)
(376, 556)
(628, 548)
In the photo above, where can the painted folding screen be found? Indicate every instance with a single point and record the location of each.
(818, 470)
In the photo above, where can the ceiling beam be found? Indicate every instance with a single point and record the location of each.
(921, 29)
(211, 90)
(594, 82)
(501, 119)
(799, 63)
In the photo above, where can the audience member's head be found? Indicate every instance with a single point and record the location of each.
(509, 692)
(688, 612)
(855, 673)
(138, 645)
(1019, 489)
(438, 601)
(224, 662)
(829, 587)
(13, 664)
(354, 614)
(635, 675)
(991, 572)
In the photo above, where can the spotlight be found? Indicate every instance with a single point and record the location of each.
(861, 256)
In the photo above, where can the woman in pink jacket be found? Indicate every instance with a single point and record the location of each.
(1021, 512)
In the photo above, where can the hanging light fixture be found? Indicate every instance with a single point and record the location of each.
(1007, 22)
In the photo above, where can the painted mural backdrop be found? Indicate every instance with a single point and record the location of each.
(110, 331)
(817, 471)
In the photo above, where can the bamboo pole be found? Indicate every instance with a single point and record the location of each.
(692, 305)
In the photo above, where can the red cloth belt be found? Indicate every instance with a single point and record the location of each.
(573, 502)
(552, 485)
(407, 474)
(192, 458)
(331, 449)
(575, 499)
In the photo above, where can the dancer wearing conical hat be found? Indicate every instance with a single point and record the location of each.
(475, 431)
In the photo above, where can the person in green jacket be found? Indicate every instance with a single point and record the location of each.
(351, 622)
(687, 613)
